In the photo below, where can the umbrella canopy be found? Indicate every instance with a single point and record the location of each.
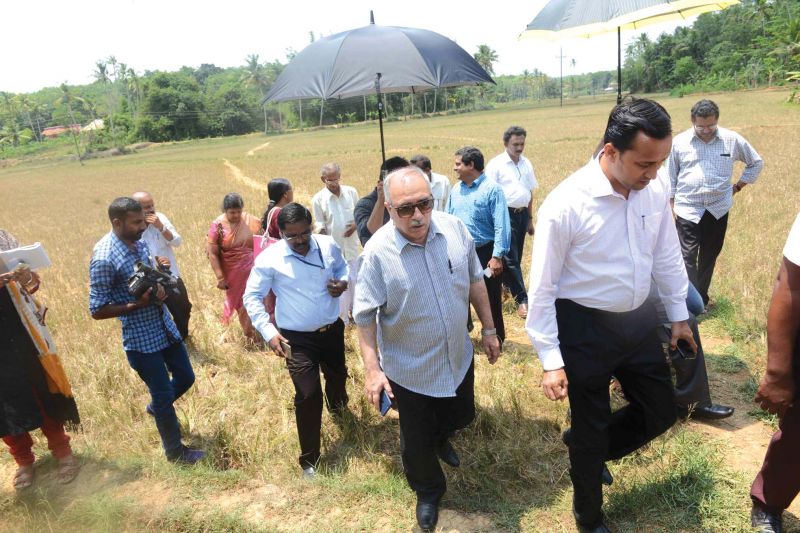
(587, 18)
(375, 59)
(346, 64)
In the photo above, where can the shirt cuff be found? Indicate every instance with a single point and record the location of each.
(677, 312)
(551, 359)
(269, 332)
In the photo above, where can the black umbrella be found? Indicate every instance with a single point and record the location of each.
(376, 59)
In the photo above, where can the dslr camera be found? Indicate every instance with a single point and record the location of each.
(145, 277)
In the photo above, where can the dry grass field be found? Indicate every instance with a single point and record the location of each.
(514, 468)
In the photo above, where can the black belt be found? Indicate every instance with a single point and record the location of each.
(323, 329)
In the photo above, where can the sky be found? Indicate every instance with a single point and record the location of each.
(49, 42)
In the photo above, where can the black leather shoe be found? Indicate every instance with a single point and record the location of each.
(447, 454)
(766, 521)
(427, 516)
(602, 528)
(710, 412)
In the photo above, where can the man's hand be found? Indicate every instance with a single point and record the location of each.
(554, 384)
(163, 261)
(336, 287)
(161, 293)
(275, 345)
(531, 226)
(776, 393)
(496, 264)
(350, 228)
(222, 284)
(375, 381)
(153, 220)
(491, 345)
(381, 198)
(681, 330)
(5, 278)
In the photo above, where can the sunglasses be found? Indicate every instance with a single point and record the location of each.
(299, 237)
(408, 210)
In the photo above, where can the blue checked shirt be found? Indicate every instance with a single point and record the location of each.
(146, 330)
(482, 207)
(420, 296)
(700, 172)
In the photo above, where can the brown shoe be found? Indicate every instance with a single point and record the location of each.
(68, 469)
(522, 310)
(23, 477)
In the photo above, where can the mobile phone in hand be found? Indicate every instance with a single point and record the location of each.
(386, 403)
(682, 351)
(287, 349)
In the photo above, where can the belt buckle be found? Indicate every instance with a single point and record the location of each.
(323, 329)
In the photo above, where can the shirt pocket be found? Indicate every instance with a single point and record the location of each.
(651, 225)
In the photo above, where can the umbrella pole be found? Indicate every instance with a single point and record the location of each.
(619, 65)
(380, 114)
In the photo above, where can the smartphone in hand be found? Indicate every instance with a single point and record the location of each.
(682, 351)
(386, 403)
(287, 349)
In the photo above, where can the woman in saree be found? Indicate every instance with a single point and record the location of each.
(34, 391)
(280, 193)
(230, 252)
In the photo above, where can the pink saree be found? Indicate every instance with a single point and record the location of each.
(236, 257)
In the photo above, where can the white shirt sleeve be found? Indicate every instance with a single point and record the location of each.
(318, 212)
(792, 249)
(258, 285)
(550, 244)
(176, 238)
(669, 270)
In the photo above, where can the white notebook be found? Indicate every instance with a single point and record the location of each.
(32, 255)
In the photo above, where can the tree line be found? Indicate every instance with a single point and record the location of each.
(754, 44)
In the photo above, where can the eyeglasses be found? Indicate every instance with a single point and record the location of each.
(711, 128)
(408, 210)
(299, 237)
(332, 180)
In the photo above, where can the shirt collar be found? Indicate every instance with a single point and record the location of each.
(120, 246)
(599, 184)
(507, 158)
(475, 183)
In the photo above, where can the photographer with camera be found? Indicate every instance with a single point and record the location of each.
(149, 335)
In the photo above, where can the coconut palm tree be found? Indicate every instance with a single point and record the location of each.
(67, 99)
(486, 57)
(256, 77)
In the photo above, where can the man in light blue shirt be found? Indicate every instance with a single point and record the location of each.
(307, 273)
(481, 205)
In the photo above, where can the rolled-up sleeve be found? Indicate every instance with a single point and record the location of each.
(550, 244)
(748, 155)
(370, 292)
(669, 270)
(101, 280)
(258, 285)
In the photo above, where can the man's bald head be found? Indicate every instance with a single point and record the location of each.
(403, 180)
(146, 199)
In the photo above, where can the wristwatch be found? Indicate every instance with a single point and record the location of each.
(488, 332)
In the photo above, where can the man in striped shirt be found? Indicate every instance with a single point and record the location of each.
(700, 167)
(419, 274)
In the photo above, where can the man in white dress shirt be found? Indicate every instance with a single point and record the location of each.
(307, 273)
(514, 173)
(161, 238)
(601, 236)
(332, 208)
(700, 169)
(440, 185)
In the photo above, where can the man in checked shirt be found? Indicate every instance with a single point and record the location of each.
(700, 168)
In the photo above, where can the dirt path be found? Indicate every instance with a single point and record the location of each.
(252, 152)
(238, 175)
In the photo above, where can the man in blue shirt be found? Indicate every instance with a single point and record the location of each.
(481, 205)
(307, 273)
(149, 335)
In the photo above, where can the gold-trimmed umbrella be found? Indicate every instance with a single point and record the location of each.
(588, 18)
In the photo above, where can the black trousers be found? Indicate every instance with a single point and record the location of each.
(312, 352)
(596, 345)
(494, 286)
(180, 308)
(691, 376)
(425, 424)
(512, 273)
(701, 244)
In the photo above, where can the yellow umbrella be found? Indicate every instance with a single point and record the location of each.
(588, 18)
